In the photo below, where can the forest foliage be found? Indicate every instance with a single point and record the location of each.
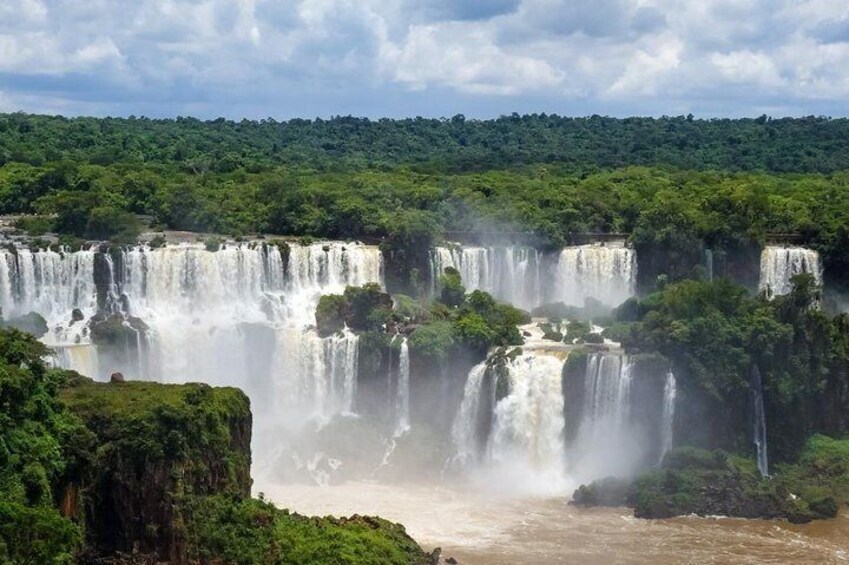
(675, 183)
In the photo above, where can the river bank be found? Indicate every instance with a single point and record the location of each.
(479, 529)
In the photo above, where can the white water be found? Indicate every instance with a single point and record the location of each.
(239, 316)
(780, 264)
(464, 432)
(51, 283)
(667, 422)
(526, 278)
(524, 452)
(605, 272)
(511, 274)
(402, 406)
(604, 444)
(526, 445)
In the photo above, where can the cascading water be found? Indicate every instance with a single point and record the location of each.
(525, 447)
(780, 264)
(605, 272)
(402, 405)
(667, 422)
(604, 444)
(465, 431)
(238, 316)
(511, 274)
(759, 421)
(51, 283)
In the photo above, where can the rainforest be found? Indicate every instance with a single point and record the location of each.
(491, 331)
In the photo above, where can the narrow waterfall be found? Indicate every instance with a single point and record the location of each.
(604, 444)
(759, 421)
(465, 431)
(607, 273)
(780, 264)
(402, 407)
(511, 274)
(709, 264)
(667, 422)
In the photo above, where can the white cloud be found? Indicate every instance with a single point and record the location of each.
(212, 54)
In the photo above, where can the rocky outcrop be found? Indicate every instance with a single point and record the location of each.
(155, 446)
(713, 483)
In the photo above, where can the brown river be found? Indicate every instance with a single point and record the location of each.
(477, 528)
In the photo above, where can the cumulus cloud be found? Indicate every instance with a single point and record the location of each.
(403, 57)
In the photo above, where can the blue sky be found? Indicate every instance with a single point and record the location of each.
(395, 58)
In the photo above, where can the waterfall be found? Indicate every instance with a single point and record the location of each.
(511, 274)
(525, 447)
(239, 316)
(780, 264)
(709, 264)
(402, 408)
(605, 443)
(607, 393)
(667, 421)
(605, 272)
(51, 283)
(759, 421)
(528, 423)
(464, 432)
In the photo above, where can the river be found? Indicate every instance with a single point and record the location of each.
(481, 529)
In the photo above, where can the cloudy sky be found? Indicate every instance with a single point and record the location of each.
(482, 58)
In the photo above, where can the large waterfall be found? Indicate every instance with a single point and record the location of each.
(606, 441)
(511, 274)
(604, 272)
(519, 444)
(780, 264)
(238, 316)
(465, 432)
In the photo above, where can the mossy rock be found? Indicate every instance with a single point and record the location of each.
(31, 323)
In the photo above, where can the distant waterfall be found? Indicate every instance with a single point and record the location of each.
(511, 274)
(667, 421)
(780, 264)
(759, 421)
(402, 405)
(709, 264)
(526, 278)
(604, 272)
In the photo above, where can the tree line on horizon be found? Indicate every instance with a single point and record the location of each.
(676, 184)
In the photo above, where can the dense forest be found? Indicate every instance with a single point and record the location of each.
(674, 186)
(784, 145)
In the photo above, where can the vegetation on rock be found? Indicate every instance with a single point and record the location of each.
(137, 470)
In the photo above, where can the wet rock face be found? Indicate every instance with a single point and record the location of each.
(115, 329)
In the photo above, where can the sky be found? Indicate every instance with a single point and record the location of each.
(397, 58)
